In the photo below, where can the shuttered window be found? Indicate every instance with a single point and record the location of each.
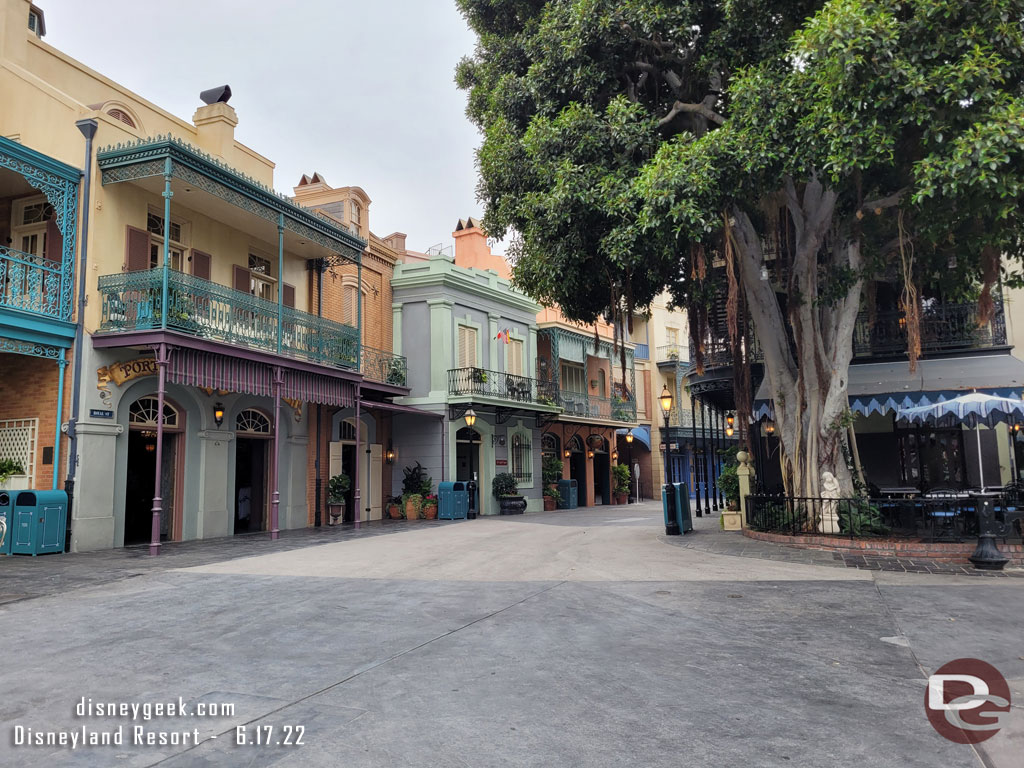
(574, 378)
(514, 351)
(467, 347)
(136, 250)
(200, 264)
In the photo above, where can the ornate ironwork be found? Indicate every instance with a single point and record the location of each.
(132, 301)
(61, 191)
(385, 367)
(500, 386)
(141, 159)
(18, 347)
(592, 407)
(944, 327)
(29, 283)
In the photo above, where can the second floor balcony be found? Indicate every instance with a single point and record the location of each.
(585, 406)
(30, 283)
(501, 386)
(133, 301)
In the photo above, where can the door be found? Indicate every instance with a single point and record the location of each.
(250, 485)
(140, 484)
(602, 478)
(578, 472)
(373, 487)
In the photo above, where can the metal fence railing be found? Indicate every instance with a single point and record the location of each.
(501, 386)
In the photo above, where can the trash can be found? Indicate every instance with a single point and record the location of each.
(39, 519)
(669, 499)
(452, 500)
(7, 526)
(568, 494)
(684, 518)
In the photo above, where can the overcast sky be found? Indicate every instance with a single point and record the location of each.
(362, 92)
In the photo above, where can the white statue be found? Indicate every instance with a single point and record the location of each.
(830, 492)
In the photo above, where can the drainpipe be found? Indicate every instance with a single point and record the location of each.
(88, 130)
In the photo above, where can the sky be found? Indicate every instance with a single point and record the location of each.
(361, 92)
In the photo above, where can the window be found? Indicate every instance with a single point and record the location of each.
(176, 249)
(602, 383)
(260, 282)
(672, 336)
(514, 357)
(574, 378)
(550, 445)
(29, 230)
(355, 213)
(35, 22)
(351, 305)
(142, 413)
(467, 347)
(252, 422)
(520, 458)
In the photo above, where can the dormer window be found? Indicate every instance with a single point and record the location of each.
(36, 24)
(355, 212)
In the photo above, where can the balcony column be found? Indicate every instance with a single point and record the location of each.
(164, 309)
(359, 337)
(280, 281)
(359, 449)
(62, 363)
(707, 458)
(696, 464)
(158, 502)
(715, 444)
(275, 462)
(721, 459)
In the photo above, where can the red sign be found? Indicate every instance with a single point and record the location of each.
(501, 462)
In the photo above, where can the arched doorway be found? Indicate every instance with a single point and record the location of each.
(253, 435)
(467, 460)
(577, 456)
(141, 471)
(598, 446)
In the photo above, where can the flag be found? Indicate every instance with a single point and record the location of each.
(503, 335)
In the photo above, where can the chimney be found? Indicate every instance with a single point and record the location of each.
(216, 122)
(472, 250)
(396, 241)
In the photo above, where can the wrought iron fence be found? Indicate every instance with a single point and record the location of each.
(591, 407)
(30, 283)
(944, 327)
(132, 301)
(950, 518)
(501, 386)
(385, 367)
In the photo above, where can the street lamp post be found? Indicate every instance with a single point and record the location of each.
(629, 459)
(666, 406)
(471, 485)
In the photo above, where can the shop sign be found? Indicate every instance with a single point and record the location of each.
(121, 372)
(501, 462)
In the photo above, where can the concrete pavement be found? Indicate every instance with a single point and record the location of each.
(576, 639)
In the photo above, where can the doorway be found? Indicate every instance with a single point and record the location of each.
(140, 475)
(578, 468)
(602, 481)
(250, 485)
(467, 460)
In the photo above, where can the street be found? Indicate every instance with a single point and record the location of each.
(578, 638)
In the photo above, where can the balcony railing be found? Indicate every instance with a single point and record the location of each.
(500, 386)
(944, 328)
(385, 367)
(672, 353)
(29, 283)
(587, 406)
(132, 301)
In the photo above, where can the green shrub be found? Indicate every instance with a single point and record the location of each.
(504, 484)
(620, 478)
(10, 467)
(337, 487)
(551, 470)
(416, 480)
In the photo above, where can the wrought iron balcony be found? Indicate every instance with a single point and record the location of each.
(132, 301)
(500, 386)
(385, 367)
(944, 328)
(585, 406)
(30, 283)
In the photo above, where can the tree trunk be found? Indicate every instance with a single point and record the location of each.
(807, 368)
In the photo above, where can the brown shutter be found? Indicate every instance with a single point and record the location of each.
(200, 264)
(240, 279)
(136, 250)
(289, 295)
(54, 240)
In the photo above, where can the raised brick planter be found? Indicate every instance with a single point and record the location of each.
(914, 549)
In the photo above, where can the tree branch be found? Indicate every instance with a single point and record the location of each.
(882, 202)
(699, 109)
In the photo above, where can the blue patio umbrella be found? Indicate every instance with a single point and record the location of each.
(972, 409)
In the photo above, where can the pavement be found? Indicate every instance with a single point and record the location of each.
(577, 638)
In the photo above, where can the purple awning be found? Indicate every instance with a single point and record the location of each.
(315, 388)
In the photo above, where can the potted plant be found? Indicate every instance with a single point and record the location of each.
(551, 473)
(394, 508)
(396, 372)
(504, 487)
(620, 483)
(11, 468)
(479, 376)
(430, 507)
(413, 503)
(337, 488)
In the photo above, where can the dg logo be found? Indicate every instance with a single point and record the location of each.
(966, 701)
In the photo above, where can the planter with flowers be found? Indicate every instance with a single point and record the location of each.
(430, 506)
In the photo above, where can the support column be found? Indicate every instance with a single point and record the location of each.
(62, 363)
(280, 282)
(161, 391)
(164, 293)
(359, 335)
(696, 463)
(275, 470)
(707, 459)
(713, 414)
(359, 450)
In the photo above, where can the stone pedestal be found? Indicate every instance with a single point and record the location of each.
(735, 520)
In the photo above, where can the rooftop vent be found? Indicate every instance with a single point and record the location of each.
(214, 95)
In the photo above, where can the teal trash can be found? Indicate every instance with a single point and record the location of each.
(568, 494)
(684, 518)
(8, 517)
(452, 500)
(39, 520)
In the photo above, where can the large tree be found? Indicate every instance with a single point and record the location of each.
(809, 146)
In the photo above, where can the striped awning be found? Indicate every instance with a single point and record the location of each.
(207, 370)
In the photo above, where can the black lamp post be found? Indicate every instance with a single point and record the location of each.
(666, 407)
(471, 485)
(629, 457)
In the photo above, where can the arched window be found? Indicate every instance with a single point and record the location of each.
(124, 117)
(348, 430)
(252, 422)
(575, 445)
(142, 413)
(467, 435)
(550, 444)
(520, 458)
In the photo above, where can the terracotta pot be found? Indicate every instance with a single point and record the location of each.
(412, 511)
(550, 503)
(621, 498)
(335, 514)
(394, 511)
(430, 512)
